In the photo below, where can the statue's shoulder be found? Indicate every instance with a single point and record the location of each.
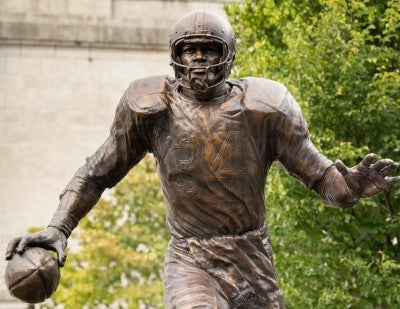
(149, 95)
(265, 95)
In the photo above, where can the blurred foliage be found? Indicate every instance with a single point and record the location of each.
(118, 251)
(341, 61)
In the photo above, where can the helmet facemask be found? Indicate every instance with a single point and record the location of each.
(214, 74)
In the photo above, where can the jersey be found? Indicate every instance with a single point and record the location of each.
(212, 158)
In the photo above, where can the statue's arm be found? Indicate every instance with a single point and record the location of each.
(337, 184)
(123, 149)
(317, 173)
(120, 152)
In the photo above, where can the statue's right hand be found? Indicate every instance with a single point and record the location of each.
(50, 238)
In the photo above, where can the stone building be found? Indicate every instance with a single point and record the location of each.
(63, 66)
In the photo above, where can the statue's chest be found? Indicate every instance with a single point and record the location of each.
(208, 141)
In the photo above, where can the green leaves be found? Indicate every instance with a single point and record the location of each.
(340, 59)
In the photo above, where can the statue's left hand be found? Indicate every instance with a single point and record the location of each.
(367, 178)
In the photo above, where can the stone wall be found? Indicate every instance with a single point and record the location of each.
(63, 66)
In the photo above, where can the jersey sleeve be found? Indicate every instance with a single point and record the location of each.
(293, 147)
(124, 148)
(298, 155)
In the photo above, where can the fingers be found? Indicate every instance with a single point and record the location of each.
(12, 245)
(341, 167)
(60, 249)
(46, 239)
(25, 241)
(385, 166)
(392, 180)
(368, 159)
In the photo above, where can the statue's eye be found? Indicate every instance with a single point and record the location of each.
(188, 50)
(212, 51)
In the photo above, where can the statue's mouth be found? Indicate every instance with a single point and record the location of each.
(199, 71)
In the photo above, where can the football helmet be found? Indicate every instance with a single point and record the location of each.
(206, 26)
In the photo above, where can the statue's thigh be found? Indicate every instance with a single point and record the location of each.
(187, 286)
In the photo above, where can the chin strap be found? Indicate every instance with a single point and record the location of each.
(198, 85)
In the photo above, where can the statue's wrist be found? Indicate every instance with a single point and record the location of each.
(64, 221)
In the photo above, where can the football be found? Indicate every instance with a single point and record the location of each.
(32, 276)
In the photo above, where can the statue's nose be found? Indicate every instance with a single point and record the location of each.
(199, 54)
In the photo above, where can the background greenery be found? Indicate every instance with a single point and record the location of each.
(340, 59)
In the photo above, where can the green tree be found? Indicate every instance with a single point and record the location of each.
(118, 251)
(341, 61)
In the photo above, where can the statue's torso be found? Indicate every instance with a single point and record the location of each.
(212, 161)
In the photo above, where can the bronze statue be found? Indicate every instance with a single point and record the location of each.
(214, 140)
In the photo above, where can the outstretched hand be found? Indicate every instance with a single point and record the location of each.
(367, 178)
(50, 238)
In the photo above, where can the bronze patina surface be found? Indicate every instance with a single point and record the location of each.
(214, 140)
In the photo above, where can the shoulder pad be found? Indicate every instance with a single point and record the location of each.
(265, 95)
(148, 95)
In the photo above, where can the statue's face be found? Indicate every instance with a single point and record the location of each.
(197, 56)
(213, 37)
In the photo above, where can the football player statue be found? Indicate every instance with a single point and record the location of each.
(214, 140)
